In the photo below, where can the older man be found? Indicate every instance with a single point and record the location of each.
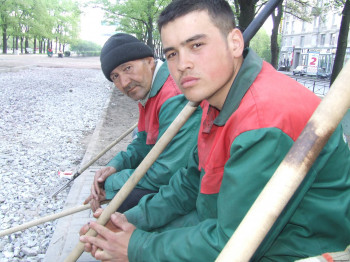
(130, 65)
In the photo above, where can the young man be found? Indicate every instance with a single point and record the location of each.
(129, 63)
(251, 117)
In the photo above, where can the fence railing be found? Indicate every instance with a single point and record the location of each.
(318, 86)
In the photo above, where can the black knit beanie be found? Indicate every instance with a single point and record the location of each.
(121, 48)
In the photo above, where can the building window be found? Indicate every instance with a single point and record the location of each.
(322, 22)
(332, 40)
(286, 29)
(333, 19)
(315, 22)
(303, 27)
(323, 39)
(291, 41)
(302, 40)
(292, 27)
(303, 59)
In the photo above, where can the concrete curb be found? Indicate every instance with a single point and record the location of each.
(66, 235)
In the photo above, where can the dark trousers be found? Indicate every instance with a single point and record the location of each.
(133, 199)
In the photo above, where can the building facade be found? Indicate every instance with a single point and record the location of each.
(310, 44)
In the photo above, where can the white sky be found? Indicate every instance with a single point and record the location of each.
(91, 27)
(268, 25)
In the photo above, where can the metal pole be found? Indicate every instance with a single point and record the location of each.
(259, 20)
(290, 173)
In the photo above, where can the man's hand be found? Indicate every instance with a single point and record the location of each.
(100, 177)
(95, 204)
(112, 241)
(97, 193)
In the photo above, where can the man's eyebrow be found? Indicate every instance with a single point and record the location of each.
(193, 38)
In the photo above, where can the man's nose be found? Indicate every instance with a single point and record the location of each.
(184, 62)
(124, 81)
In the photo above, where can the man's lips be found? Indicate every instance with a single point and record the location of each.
(188, 81)
(130, 89)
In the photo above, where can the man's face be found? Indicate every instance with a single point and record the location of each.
(202, 61)
(134, 78)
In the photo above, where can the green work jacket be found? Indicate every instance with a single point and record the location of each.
(238, 150)
(165, 102)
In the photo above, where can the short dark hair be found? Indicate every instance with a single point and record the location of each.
(219, 12)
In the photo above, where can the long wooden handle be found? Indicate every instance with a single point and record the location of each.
(86, 166)
(45, 219)
(121, 137)
(290, 173)
(139, 172)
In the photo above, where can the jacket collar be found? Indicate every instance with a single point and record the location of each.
(160, 78)
(248, 72)
(157, 81)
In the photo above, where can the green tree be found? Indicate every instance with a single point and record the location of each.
(42, 20)
(7, 21)
(82, 47)
(136, 17)
(261, 45)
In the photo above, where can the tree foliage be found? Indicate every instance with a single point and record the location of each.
(83, 47)
(261, 44)
(136, 17)
(38, 20)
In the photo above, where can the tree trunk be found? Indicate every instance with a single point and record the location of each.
(16, 43)
(342, 42)
(150, 33)
(21, 44)
(34, 51)
(276, 19)
(247, 13)
(26, 44)
(56, 44)
(150, 26)
(4, 40)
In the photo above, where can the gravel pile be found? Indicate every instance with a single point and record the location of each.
(46, 116)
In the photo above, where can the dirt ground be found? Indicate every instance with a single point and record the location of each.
(121, 114)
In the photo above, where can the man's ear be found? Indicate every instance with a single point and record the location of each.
(149, 60)
(236, 42)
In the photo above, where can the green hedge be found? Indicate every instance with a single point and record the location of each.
(88, 53)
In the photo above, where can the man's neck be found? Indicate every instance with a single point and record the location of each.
(158, 64)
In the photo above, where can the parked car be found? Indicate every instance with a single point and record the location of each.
(299, 70)
(322, 74)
